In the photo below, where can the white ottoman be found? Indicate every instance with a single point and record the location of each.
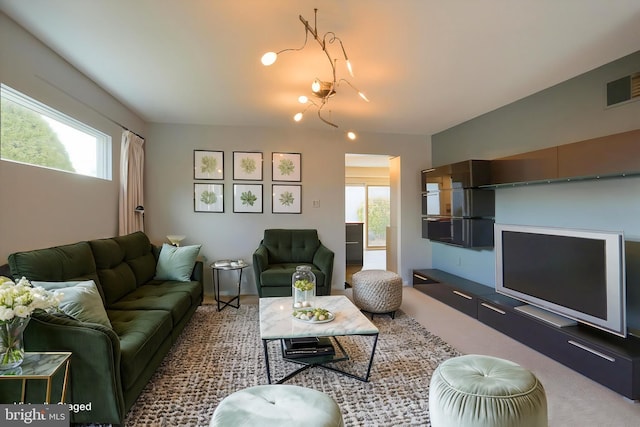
(377, 291)
(278, 405)
(485, 391)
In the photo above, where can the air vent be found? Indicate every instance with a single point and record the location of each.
(624, 89)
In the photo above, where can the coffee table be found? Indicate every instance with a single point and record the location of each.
(277, 323)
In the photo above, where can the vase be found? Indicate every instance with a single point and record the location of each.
(11, 342)
(303, 287)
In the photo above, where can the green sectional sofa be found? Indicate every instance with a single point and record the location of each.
(110, 366)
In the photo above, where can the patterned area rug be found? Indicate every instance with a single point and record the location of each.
(221, 352)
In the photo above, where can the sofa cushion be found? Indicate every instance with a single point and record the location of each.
(57, 264)
(149, 297)
(81, 300)
(192, 288)
(291, 245)
(123, 263)
(139, 255)
(276, 275)
(141, 334)
(176, 263)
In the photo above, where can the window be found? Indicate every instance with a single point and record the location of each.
(354, 203)
(376, 217)
(35, 134)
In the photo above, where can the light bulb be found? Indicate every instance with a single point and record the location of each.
(349, 68)
(269, 58)
(315, 86)
(351, 135)
(297, 117)
(363, 96)
(302, 99)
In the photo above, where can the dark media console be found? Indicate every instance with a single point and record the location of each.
(605, 358)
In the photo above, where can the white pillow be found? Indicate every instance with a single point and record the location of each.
(176, 263)
(80, 300)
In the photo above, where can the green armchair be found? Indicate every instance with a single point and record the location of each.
(281, 251)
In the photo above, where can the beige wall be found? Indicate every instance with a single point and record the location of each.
(42, 207)
(169, 190)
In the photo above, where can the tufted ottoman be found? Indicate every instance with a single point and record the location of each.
(475, 390)
(377, 291)
(277, 405)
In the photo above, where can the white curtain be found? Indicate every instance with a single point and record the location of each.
(131, 184)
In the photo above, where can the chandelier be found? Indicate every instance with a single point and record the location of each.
(321, 90)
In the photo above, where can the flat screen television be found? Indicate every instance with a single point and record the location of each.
(578, 274)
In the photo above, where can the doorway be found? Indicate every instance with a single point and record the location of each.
(367, 212)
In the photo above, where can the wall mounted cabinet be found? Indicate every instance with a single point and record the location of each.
(609, 156)
(455, 209)
(458, 203)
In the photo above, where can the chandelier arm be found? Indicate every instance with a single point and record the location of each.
(307, 107)
(322, 118)
(308, 28)
(306, 38)
(326, 121)
(349, 83)
(332, 38)
(322, 43)
(354, 88)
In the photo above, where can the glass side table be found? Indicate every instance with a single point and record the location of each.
(226, 265)
(40, 366)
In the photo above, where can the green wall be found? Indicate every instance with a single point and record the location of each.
(568, 112)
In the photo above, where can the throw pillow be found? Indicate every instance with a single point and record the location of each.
(80, 300)
(176, 262)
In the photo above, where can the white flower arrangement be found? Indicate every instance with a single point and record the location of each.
(22, 299)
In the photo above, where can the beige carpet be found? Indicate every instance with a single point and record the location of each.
(221, 352)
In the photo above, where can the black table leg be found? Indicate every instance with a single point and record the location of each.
(266, 359)
(216, 288)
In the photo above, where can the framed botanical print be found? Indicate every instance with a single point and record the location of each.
(208, 164)
(247, 198)
(286, 166)
(247, 166)
(287, 199)
(208, 197)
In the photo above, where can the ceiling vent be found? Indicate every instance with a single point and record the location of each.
(624, 89)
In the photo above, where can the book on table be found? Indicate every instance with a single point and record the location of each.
(307, 347)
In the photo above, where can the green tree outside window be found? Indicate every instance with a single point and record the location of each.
(26, 137)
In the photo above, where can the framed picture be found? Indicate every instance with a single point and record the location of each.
(208, 197)
(208, 164)
(247, 166)
(287, 199)
(286, 166)
(247, 198)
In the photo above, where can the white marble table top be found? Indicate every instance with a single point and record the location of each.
(277, 321)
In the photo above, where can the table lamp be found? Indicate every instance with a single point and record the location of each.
(175, 239)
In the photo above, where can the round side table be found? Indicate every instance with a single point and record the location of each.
(225, 265)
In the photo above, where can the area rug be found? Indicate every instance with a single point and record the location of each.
(221, 352)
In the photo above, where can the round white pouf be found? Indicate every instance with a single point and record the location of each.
(485, 391)
(377, 291)
(278, 405)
